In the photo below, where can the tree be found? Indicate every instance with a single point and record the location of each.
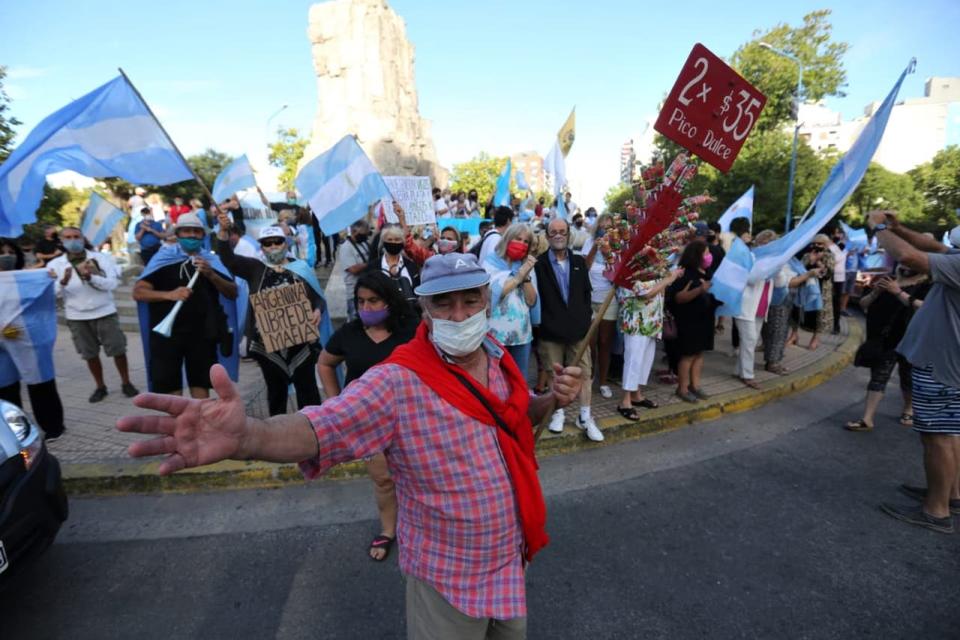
(938, 181)
(479, 173)
(617, 196)
(7, 123)
(286, 153)
(885, 189)
(776, 76)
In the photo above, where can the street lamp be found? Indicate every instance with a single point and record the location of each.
(796, 128)
(266, 125)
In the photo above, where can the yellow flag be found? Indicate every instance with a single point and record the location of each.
(567, 133)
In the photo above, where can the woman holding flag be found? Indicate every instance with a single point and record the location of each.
(293, 364)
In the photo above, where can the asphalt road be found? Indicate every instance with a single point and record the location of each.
(757, 525)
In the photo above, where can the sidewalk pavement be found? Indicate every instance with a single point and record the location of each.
(94, 459)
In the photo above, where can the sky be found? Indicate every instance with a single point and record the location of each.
(498, 76)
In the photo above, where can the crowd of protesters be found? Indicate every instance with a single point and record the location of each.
(488, 330)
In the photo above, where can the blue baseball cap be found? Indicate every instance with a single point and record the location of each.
(451, 272)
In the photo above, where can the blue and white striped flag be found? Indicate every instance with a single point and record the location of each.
(556, 166)
(340, 185)
(501, 197)
(99, 220)
(856, 238)
(522, 181)
(236, 176)
(840, 185)
(742, 208)
(28, 325)
(108, 132)
(728, 287)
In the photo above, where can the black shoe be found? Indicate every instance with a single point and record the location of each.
(99, 394)
(919, 517)
(919, 493)
(129, 390)
(53, 435)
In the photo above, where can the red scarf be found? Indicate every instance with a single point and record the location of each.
(420, 356)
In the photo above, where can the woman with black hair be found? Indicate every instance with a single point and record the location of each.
(692, 308)
(385, 321)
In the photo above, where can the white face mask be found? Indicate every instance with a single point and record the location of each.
(459, 338)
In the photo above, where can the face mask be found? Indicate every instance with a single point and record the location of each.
(74, 245)
(371, 318)
(578, 224)
(275, 256)
(8, 262)
(446, 246)
(361, 237)
(190, 245)
(707, 260)
(516, 250)
(393, 248)
(459, 338)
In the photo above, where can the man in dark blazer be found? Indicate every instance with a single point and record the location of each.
(564, 288)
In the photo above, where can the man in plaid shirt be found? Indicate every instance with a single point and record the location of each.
(453, 415)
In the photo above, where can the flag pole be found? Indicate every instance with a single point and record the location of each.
(173, 144)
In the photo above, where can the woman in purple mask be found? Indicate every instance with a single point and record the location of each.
(385, 321)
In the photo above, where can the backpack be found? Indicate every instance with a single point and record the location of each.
(475, 249)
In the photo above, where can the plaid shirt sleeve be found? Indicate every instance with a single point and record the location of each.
(358, 423)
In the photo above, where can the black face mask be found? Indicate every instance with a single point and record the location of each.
(393, 248)
(360, 237)
(578, 224)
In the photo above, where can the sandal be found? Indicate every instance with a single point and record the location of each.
(630, 414)
(906, 419)
(381, 542)
(646, 403)
(750, 382)
(858, 425)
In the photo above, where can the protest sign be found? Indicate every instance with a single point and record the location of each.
(284, 317)
(414, 194)
(711, 109)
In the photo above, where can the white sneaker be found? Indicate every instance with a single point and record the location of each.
(556, 422)
(593, 431)
(606, 391)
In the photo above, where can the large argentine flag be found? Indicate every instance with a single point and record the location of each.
(108, 132)
(28, 326)
(340, 185)
(237, 176)
(99, 220)
(742, 208)
(840, 185)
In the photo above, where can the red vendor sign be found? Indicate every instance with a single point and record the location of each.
(711, 109)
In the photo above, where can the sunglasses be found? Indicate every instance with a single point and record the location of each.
(272, 242)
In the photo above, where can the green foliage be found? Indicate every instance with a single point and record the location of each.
(286, 153)
(776, 76)
(939, 182)
(7, 123)
(884, 189)
(480, 173)
(617, 196)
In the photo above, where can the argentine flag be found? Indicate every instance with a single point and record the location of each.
(340, 185)
(728, 287)
(556, 166)
(742, 208)
(522, 181)
(840, 185)
(501, 196)
(28, 326)
(238, 175)
(99, 220)
(856, 238)
(107, 133)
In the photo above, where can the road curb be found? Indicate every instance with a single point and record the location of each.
(135, 477)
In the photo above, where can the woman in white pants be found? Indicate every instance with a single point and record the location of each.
(641, 321)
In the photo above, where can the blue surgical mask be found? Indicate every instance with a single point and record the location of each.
(74, 245)
(190, 245)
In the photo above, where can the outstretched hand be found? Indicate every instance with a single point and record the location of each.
(194, 432)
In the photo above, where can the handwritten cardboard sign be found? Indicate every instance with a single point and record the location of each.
(284, 316)
(415, 195)
(711, 109)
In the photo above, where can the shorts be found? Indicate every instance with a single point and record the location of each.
(170, 356)
(89, 335)
(612, 310)
(936, 407)
(849, 282)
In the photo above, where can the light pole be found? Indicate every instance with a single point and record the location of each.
(796, 128)
(266, 127)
